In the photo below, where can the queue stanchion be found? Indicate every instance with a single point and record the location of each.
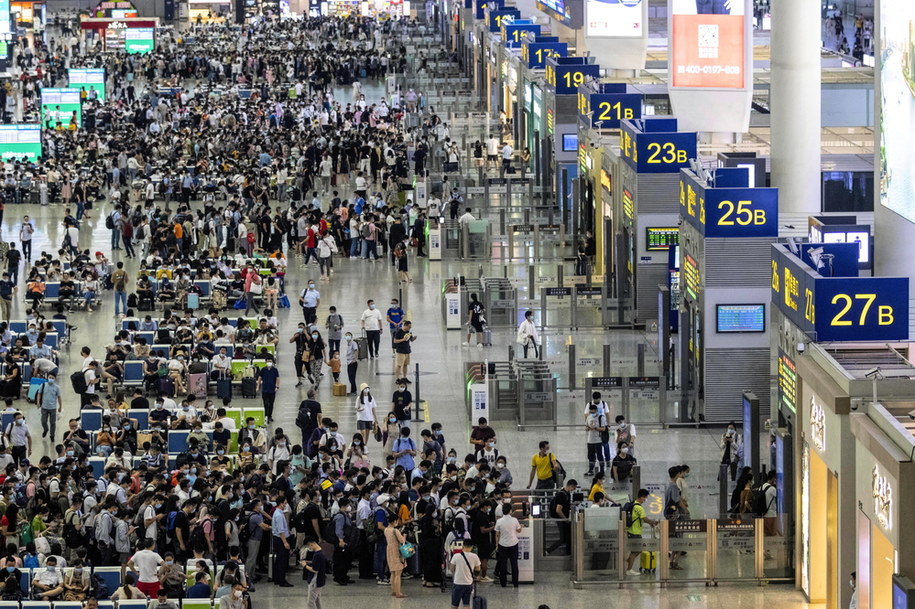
(418, 416)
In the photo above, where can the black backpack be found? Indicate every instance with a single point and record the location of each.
(299, 521)
(758, 504)
(330, 530)
(627, 510)
(78, 380)
(109, 222)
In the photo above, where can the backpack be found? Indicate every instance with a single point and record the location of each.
(109, 222)
(26, 536)
(758, 504)
(299, 521)
(365, 231)
(78, 380)
(244, 532)
(98, 587)
(170, 522)
(30, 561)
(627, 510)
(554, 503)
(330, 530)
(623, 436)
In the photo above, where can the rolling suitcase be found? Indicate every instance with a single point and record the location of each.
(166, 387)
(363, 343)
(479, 602)
(487, 337)
(35, 387)
(224, 388)
(197, 384)
(193, 301)
(648, 562)
(248, 387)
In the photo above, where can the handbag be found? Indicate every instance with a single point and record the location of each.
(376, 432)
(257, 288)
(559, 473)
(407, 550)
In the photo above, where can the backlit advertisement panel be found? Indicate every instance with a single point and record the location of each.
(896, 52)
(708, 40)
(614, 18)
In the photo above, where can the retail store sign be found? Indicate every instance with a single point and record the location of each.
(656, 151)
(839, 308)
(883, 499)
(817, 424)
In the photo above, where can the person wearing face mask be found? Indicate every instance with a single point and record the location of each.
(268, 383)
(621, 466)
(317, 354)
(732, 445)
(278, 453)
(51, 406)
(402, 402)
(49, 582)
(76, 583)
(334, 325)
(17, 435)
(309, 301)
(625, 433)
(177, 369)
(351, 348)
(372, 326)
(234, 599)
(489, 453)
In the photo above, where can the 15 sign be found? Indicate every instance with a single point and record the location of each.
(514, 33)
(565, 78)
(608, 110)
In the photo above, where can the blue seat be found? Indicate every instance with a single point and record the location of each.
(110, 575)
(90, 419)
(18, 327)
(25, 581)
(52, 339)
(68, 605)
(98, 466)
(177, 441)
(6, 419)
(141, 416)
(26, 369)
(60, 326)
(204, 287)
(149, 335)
(133, 372)
(132, 604)
(52, 290)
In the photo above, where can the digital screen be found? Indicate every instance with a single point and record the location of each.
(659, 239)
(140, 40)
(740, 318)
(5, 17)
(897, 105)
(50, 97)
(21, 140)
(569, 142)
(750, 431)
(556, 9)
(614, 18)
(863, 239)
(690, 271)
(88, 78)
(708, 44)
(787, 382)
(59, 105)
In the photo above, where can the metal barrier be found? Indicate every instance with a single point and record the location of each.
(707, 551)
(501, 301)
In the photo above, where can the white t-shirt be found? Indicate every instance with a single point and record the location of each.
(365, 411)
(507, 529)
(90, 376)
(463, 569)
(372, 319)
(149, 512)
(147, 563)
(771, 501)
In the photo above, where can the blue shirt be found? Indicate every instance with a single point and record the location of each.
(268, 378)
(49, 395)
(279, 526)
(403, 444)
(396, 315)
(6, 290)
(198, 590)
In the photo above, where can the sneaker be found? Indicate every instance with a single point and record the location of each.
(383, 582)
(464, 344)
(633, 572)
(486, 580)
(589, 473)
(406, 576)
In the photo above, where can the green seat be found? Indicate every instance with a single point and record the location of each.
(235, 415)
(260, 419)
(233, 442)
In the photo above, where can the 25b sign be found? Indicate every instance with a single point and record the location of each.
(741, 212)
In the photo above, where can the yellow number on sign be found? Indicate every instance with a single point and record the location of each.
(671, 153)
(868, 301)
(617, 109)
(498, 20)
(744, 216)
(516, 34)
(574, 78)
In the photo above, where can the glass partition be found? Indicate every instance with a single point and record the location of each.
(601, 543)
(642, 555)
(778, 546)
(736, 553)
(688, 545)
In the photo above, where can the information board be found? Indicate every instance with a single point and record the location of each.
(140, 40)
(88, 79)
(60, 105)
(728, 212)
(740, 318)
(20, 141)
(661, 238)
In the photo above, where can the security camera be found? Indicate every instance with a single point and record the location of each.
(912, 414)
(873, 372)
(801, 347)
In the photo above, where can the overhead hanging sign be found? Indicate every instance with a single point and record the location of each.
(709, 44)
(614, 18)
(728, 212)
(653, 145)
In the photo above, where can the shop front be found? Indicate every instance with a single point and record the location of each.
(114, 23)
(825, 513)
(29, 15)
(885, 492)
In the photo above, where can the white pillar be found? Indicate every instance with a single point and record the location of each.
(795, 104)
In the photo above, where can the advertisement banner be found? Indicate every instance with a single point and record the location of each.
(708, 44)
(614, 18)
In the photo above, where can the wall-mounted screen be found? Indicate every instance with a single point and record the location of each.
(740, 318)
(569, 142)
(661, 238)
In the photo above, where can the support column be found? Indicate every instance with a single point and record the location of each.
(795, 105)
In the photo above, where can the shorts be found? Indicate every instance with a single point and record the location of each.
(477, 326)
(364, 424)
(402, 359)
(150, 589)
(461, 593)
